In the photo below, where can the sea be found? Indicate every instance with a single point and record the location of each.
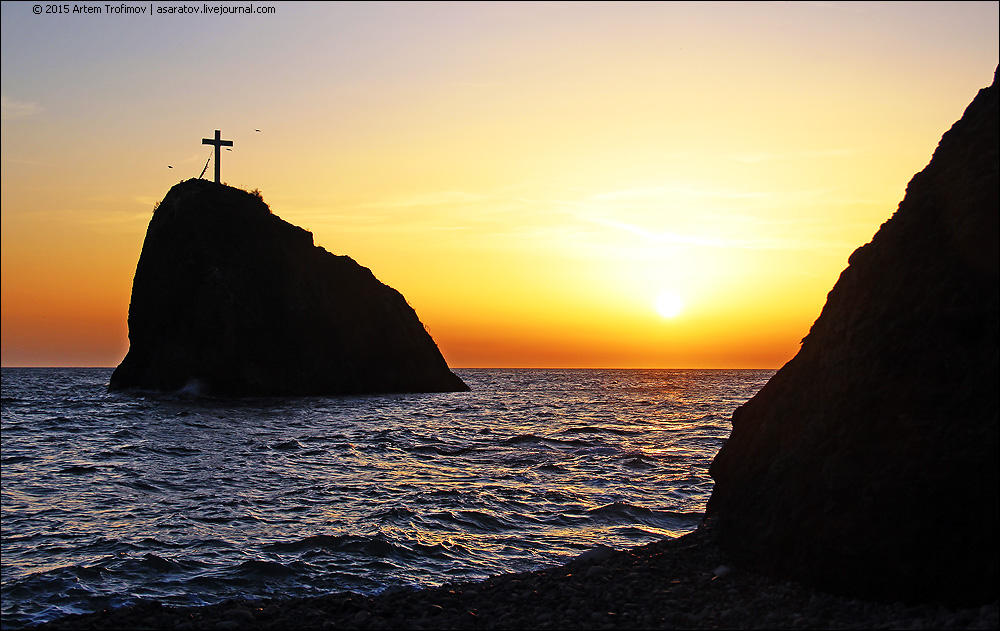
(109, 498)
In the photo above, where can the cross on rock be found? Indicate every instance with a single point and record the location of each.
(219, 143)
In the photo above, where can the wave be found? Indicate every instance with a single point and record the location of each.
(394, 513)
(139, 485)
(256, 567)
(441, 451)
(442, 551)
(472, 519)
(15, 459)
(532, 438)
(589, 429)
(77, 469)
(624, 510)
(159, 563)
(103, 545)
(175, 450)
(552, 468)
(523, 438)
(211, 544)
(354, 544)
(153, 542)
(197, 424)
(123, 451)
(639, 462)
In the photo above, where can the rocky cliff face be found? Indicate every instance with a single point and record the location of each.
(228, 299)
(868, 465)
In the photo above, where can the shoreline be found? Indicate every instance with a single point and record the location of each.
(682, 583)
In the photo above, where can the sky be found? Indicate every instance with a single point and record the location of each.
(560, 185)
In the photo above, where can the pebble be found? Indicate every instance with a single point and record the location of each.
(597, 554)
(239, 614)
(595, 570)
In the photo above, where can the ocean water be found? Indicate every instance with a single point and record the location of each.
(112, 498)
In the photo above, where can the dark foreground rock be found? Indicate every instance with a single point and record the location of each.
(674, 584)
(230, 300)
(868, 465)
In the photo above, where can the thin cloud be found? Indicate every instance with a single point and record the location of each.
(802, 234)
(848, 7)
(661, 192)
(703, 217)
(33, 163)
(12, 110)
(664, 238)
(802, 154)
(422, 200)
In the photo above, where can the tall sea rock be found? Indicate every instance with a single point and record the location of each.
(228, 299)
(868, 465)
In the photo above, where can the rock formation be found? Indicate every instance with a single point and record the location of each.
(868, 465)
(230, 300)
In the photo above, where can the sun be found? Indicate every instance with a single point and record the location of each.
(669, 305)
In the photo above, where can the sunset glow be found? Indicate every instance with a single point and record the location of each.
(549, 185)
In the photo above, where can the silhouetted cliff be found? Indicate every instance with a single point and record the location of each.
(228, 299)
(868, 465)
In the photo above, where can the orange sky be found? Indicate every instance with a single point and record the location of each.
(533, 177)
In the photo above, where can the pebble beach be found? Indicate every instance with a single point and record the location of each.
(683, 583)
